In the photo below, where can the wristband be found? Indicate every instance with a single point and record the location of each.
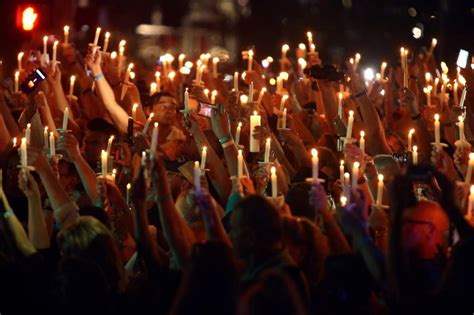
(225, 139)
(227, 144)
(354, 96)
(99, 76)
(416, 117)
(8, 213)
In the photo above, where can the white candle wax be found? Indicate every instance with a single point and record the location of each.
(461, 129)
(260, 96)
(66, 34)
(45, 138)
(283, 119)
(470, 203)
(315, 164)
(236, 81)
(284, 98)
(134, 112)
(250, 64)
(274, 182)
(197, 176)
(52, 144)
(106, 42)
(23, 153)
(310, 42)
(383, 66)
(65, 118)
(380, 190)
(97, 35)
(355, 174)
(45, 45)
(410, 139)
(255, 120)
(237, 133)
(129, 187)
(339, 104)
(251, 92)
(240, 164)
(153, 87)
(20, 58)
(437, 130)
(109, 144)
(268, 144)
(186, 99)
(203, 158)
(72, 81)
(362, 141)
(181, 60)
(347, 185)
(415, 155)
(103, 159)
(148, 122)
(55, 51)
(284, 50)
(17, 81)
(463, 97)
(154, 141)
(350, 123)
(341, 172)
(28, 133)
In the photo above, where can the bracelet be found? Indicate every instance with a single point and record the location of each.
(228, 144)
(99, 76)
(8, 213)
(359, 94)
(416, 117)
(225, 139)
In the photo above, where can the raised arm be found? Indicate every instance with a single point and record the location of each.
(37, 230)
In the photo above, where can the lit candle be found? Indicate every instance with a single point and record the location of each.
(339, 104)
(158, 81)
(380, 190)
(236, 82)
(199, 74)
(23, 154)
(341, 172)
(356, 60)
(14, 141)
(121, 56)
(274, 182)
(315, 164)
(106, 42)
(197, 177)
(109, 144)
(460, 124)
(350, 123)
(410, 139)
(45, 45)
(279, 83)
(186, 99)
(213, 97)
(154, 141)
(237, 133)
(343, 201)
(114, 174)
(251, 92)
(244, 99)
(66, 34)
(171, 75)
(134, 112)
(284, 50)
(470, 166)
(302, 65)
(435, 86)
(260, 96)
(113, 55)
(255, 120)
(72, 81)
(266, 158)
(203, 157)
(427, 78)
(355, 174)
(437, 130)
(148, 122)
(427, 91)
(362, 141)
(455, 94)
(415, 155)
(103, 158)
(283, 119)
(347, 185)
(240, 164)
(143, 160)
(45, 138)
(463, 97)
(310, 42)
(283, 100)
(470, 203)
(153, 87)
(65, 118)
(20, 57)
(250, 64)
(302, 50)
(129, 187)
(28, 133)
(383, 66)
(97, 34)
(215, 61)
(52, 144)
(181, 60)
(434, 42)
(55, 52)
(17, 81)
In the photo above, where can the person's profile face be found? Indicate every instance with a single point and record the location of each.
(92, 144)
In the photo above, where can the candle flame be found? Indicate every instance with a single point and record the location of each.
(285, 48)
(302, 46)
(273, 170)
(436, 117)
(66, 29)
(343, 201)
(411, 132)
(351, 113)
(342, 162)
(471, 156)
(362, 134)
(472, 189)
(356, 164)
(314, 152)
(380, 177)
(129, 186)
(415, 148)
(434, 42)
(107, 35)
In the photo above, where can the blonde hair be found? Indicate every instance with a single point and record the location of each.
(89, 239)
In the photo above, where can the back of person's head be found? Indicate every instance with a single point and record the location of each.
(273, 294)
(387, 165)
(307, 246)
(256, 227)
(297, 199)
(210, 282)
(90, 240)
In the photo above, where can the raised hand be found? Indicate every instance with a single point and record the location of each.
(93, 61)
(317, 197)
(443, 162)
(28, 185)
(69, 146)
(220, 122)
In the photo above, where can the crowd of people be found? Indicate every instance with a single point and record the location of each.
(227, 190)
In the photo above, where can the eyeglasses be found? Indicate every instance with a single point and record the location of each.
(171, 107)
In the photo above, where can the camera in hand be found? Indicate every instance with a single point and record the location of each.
(324, 72)
(31, 83)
